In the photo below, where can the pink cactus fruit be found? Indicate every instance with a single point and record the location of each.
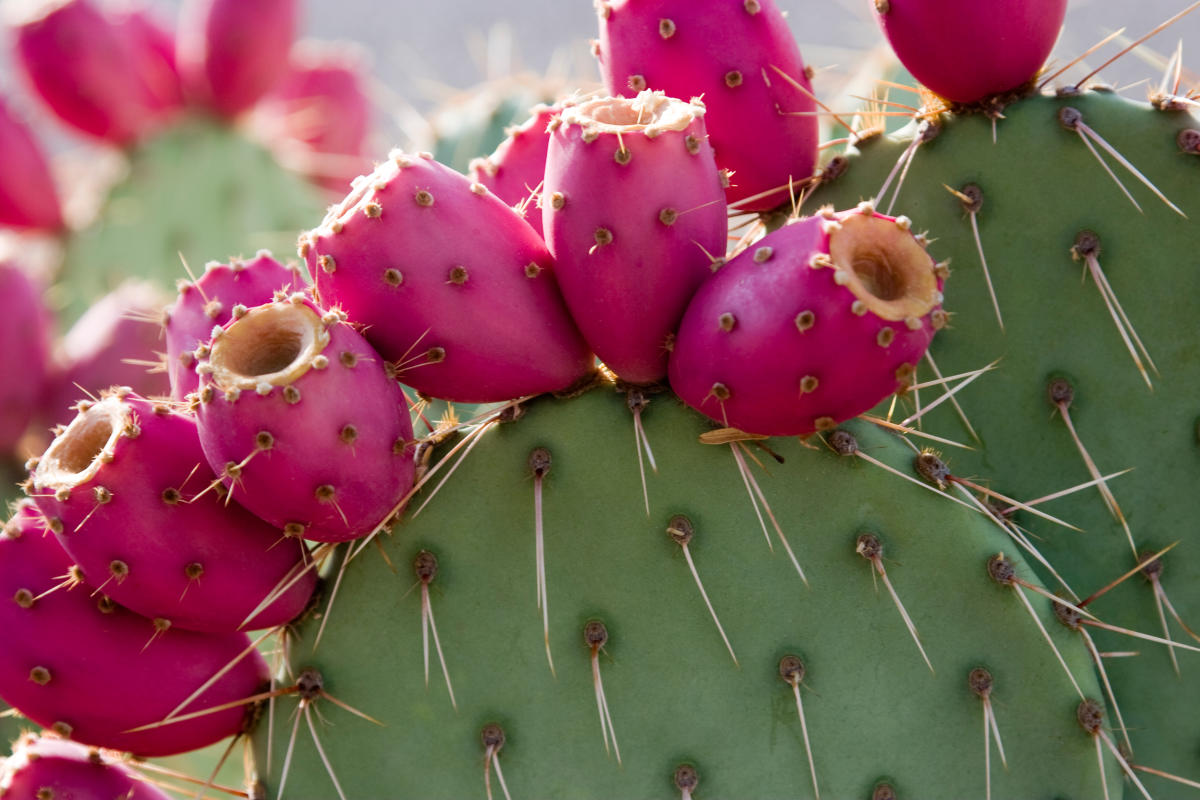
(318, 117)
(155, 50)
(967, 51)
(514, 172)
(24, 353)
(232, 52)
(209, 302)
(49, 768)
(815, 324)
(85, 67)
(305, 422)
(90, 670)
(117, 342)
(29, 199)
(124, 486)
(635, 214)
(449, 282)
(740, 57)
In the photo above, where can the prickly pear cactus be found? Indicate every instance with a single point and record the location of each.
(1097, 357)
(624, 612)
(889, 614)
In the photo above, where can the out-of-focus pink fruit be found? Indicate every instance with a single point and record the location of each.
(318, 118)
(28, 197)
(24, 353)
(232, 52)
(85, 66)
(155, 51)
(115, 343)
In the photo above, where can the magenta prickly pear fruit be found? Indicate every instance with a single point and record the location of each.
(515, 171)
(317, 119)
(969, 51)
(448, 282)
(635, 213)
(90, 670)
(209, 302)
(117, 342)
(815, 324)
(232, 52)
(124, 485)
(28, 197)
(48, 768)
(24, 352)
(304, 421)
(85, 67)
(740, 57)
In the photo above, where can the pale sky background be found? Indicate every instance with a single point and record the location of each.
(415, 46)
(412, 40)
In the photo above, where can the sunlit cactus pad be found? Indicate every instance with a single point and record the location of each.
(873, 709)
(1042, 192)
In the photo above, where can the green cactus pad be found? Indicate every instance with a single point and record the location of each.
(1041, 187)
(873, 709)
(201, 191)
